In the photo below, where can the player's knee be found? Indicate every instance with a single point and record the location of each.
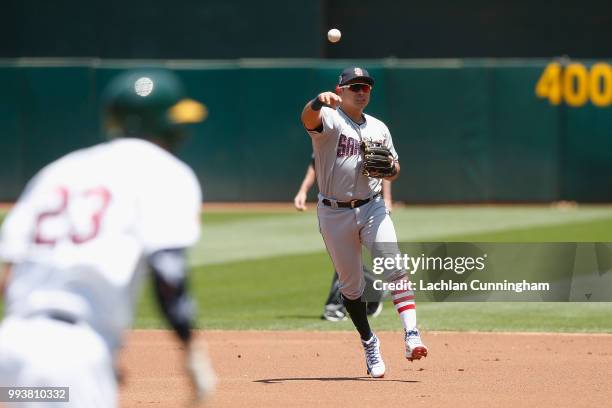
(353, 294)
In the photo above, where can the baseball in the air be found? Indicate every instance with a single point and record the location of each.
(334, 35)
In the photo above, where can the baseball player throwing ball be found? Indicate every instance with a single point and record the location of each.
(353, 153)
(83, 234)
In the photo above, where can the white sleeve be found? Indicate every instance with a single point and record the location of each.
(330, 122)
(16, 233)
(169, 212)
(18, 226)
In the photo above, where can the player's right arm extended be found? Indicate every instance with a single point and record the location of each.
(311, 114)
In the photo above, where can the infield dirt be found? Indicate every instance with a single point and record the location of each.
(327, 369)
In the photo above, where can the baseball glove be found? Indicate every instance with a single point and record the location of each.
(378, 161)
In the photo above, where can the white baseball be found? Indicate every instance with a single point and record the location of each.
(334, 35)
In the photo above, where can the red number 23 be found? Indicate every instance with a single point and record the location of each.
(95, 217)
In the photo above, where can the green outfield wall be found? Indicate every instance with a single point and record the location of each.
(465, 130)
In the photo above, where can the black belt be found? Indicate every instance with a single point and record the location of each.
(349, 204)
(62, 317)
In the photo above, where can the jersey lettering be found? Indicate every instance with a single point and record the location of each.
(341, 146)
(104, 197)
(350, 147)
(39, 238)
(347, 146)
(101, 198)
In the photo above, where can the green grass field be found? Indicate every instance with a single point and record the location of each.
(262, 270)
(270, 271)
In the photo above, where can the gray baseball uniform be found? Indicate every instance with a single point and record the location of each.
(336, 145)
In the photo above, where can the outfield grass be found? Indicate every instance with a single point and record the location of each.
(262, 270)
(288, 293)
(599, 230)
(270, 271)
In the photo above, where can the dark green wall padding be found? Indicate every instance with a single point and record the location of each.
(466, 130)
(228, 29)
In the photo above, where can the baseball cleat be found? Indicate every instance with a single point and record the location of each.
(374, 363)
(415, 349)
(374, 308)
(334, 313)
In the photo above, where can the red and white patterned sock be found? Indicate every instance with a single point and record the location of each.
(404, 303)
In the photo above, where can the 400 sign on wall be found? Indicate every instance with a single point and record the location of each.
(575, 85)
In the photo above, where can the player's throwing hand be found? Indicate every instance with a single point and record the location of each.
(330, 99)
(311, 115)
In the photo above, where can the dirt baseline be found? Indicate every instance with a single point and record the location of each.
(327, 369)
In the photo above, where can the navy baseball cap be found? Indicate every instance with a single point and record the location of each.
(352, 73)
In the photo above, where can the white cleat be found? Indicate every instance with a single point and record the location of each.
(415, 349)
(374, 362)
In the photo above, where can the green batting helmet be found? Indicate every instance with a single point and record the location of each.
(149, 104)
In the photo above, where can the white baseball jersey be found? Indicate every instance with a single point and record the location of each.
(78, 235)
(338, 156)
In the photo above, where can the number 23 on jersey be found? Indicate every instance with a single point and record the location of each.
(76, 216)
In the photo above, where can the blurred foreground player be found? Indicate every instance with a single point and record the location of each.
(333, 310)
(84, 233)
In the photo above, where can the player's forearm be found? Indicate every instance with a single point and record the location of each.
(309, 179)
(397, 173)
(386, 190)
(171, 291)
(311, 114)
(303, 190)
(178, 309)
(311, 118)
(169, 273)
